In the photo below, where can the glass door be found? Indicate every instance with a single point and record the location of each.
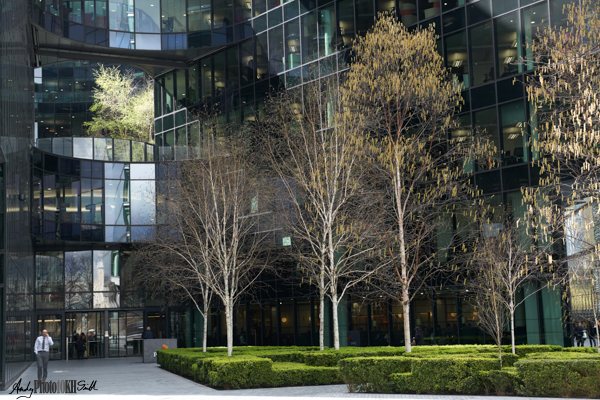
(91, 325)
(125, 333)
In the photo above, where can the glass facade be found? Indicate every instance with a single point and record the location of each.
(75, 204)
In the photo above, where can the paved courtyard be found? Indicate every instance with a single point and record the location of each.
(129, 378)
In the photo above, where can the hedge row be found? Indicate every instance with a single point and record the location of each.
(537, 375)
(245, 371)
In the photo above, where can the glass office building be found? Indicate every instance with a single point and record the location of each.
(71, 207)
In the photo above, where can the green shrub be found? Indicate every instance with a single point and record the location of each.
(402, 382)
(565, 356)
(239, 372)
(581, 350)
(296, 374)
(372, 374)
(450, 375)
(524, 350)
(500, 382)
(559, 378)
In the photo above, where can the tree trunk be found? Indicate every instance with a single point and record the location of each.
(229, 319)
(512, 327)
(322, 318)
(500, 353)
(406, 311)
(336, 330)
(205, 333)
(598, 336)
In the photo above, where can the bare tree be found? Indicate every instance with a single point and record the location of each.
(564, 91)
(401, 93)
(318, 152)
(206, 232)
(490, 300)
(516, 261)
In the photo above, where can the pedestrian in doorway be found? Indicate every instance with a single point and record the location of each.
(419, 336)
(148, 334)
(591, 329)
(42, 352)
(81, 346)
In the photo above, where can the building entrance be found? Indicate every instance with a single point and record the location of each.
(91, 326)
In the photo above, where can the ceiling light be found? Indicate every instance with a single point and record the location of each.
(457, 63)
(509, 59)
(513, 136)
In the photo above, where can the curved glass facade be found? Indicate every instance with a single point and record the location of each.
(104, 149)
(76, 200)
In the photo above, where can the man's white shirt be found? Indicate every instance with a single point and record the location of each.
(39, 341)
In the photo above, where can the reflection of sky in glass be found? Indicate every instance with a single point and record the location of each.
(143, 210)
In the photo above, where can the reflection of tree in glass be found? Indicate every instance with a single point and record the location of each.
(78, 271)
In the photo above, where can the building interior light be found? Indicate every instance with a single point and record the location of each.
(508, 59)
(249, 5)
(457, 63)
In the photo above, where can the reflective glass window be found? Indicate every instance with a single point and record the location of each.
(310, 50)
(137, 151)
(206, 80)
(365, 14)
(219, 73)
(143, 210)
(91, 201)
(503, 6)
(181, 86)
(515, 177)
(274, 18)
(243, 10)
(181, 143)
(455, 47)
(103, 149)
(193, 82)
(327, 31)
(482, 54)
(534, 18)
(233, 64)
(147, 42)
(173, 16)
(78, 271)
(122, 40)
(117, 202)
(276, 53)
(68, 189)
(147, 16)
(454, 20)
(292, 44)
(168, 93)
(429, 8)
(514, 141)
(91, 233)
(78, 301)
(121, 15)
(142, 233)
(450, 4)
(262, 60)
(486, 121)
(49, 272)
(460, 133)
(122, 150)
(479, 11)
(222, 14)
(106, 270)
(199, 15)
(107, 300)
(116, 234)
(114, 171)
(142, 171)
(83, 148)
(508, 45)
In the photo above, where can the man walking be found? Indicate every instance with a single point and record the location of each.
(147, 334)
(42, 351)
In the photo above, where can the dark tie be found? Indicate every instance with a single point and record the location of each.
(44, 344)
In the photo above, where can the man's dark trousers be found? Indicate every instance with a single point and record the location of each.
(42, 362)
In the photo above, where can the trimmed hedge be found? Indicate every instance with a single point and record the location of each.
(372, 374)
(559, 378)
(296, 374)
(470, 369)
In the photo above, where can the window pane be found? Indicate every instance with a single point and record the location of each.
(173, 16)
(327, 28)
(309, 45)
(456, 56)
(117, 198)
(276, 51)
(508, 45)
(514, 142)
(106, 271)
(121, 15)
(49, 272)
(78, 271)
(487, 122)
(147, 16)
(142, 203)
(482, 54)
(198, 12)
(534, 18)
